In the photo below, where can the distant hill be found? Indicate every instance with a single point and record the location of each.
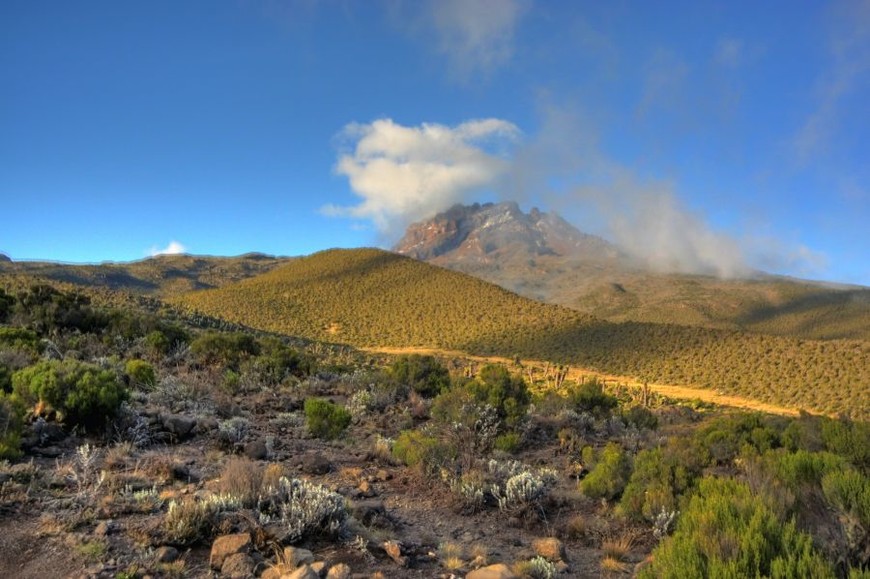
(368, 297)
(157, 276)
(541, 256)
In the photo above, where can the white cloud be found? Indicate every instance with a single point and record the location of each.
(476, 35)
(729, 52)
(174, 248)
(406, 173)
(848, 70)
(665, 78)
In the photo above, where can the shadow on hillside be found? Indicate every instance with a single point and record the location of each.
(628, 348)
(828, 315)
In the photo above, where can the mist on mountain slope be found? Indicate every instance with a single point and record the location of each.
(405, 174)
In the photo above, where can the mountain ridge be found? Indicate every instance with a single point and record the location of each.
(541, 256)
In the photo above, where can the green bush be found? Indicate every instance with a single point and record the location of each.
(508, 394)
(5, 379)
(424, 374)
(82, 394)
(729, 531)
(848, 491)
(20, 339)
(589, 396)
(49, 310)
(325, 419)
(165, 338)
(640, 417)
(224, 348)
(6, 304)
(508, 442)
(609, 476)
(728, 436)
(141, 373)
(417, 449)
(848, 439)
(659, 478)
(797, 469)
(278, 362)
(10, 428)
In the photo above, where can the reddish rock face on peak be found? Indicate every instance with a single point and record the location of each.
(493, 232)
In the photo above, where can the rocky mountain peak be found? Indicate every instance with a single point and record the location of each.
(489, 231)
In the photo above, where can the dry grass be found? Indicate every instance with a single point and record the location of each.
(241, 478)
(576, 527)
(451, 555)
(617, 548)
(612, 566)
(479, 555)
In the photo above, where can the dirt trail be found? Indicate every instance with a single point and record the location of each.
(679, 392)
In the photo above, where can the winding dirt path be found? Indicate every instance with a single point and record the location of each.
(574, 373)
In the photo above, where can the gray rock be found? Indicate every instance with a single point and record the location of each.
(256, 450)
(369, 511)
(313, 463)
(166, 554)
(296, 557)
(178, 425)
(238, 566)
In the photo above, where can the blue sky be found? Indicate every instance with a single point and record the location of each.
(702, 136)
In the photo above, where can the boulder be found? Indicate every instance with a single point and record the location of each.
(313, 463)
(296, 557)
(165, 554)
(367, 512)
(227, 545)
(238, 566)
(178, 425)
(256, 450)
(497, 571)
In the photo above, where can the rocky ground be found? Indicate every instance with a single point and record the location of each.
(81, 507)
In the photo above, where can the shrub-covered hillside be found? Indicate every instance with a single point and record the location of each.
(374, 298)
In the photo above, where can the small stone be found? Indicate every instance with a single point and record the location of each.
(394, 550)
(295, 557)
(550, 549)
(178, 425)
(227, 545)
(497, 571)
(272, 573)
(238, 566)
(206, 424)
(383, 476)
(366, 489)
(315, 464)
(166, 554)
(339, 571)
(277, 532)
(367, 512)
(319, 567)
(104, 528)
(256, 450)
(303, 572)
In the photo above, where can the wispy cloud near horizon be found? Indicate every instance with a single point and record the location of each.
(174, 248)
